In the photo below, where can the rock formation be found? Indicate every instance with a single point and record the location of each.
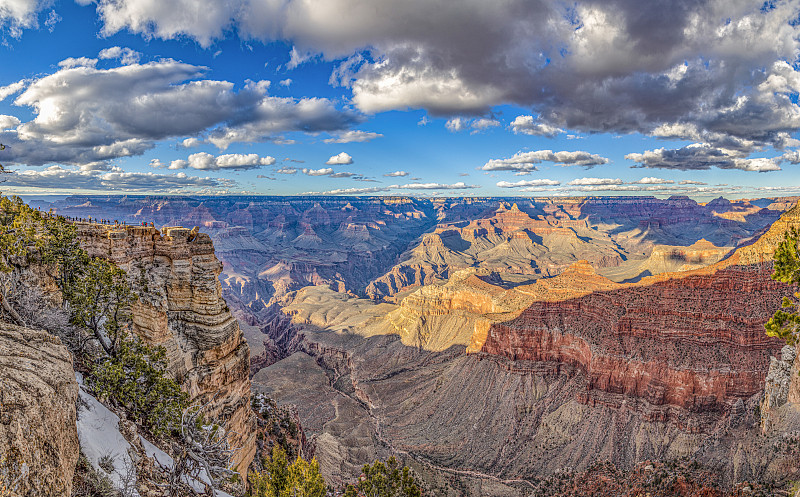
(180, 307)
(38, 436)
(492, 384)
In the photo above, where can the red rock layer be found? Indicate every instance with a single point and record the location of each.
(697, 342)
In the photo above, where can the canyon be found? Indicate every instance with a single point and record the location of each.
(486, 342)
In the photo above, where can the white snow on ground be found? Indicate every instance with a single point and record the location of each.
(98, 432)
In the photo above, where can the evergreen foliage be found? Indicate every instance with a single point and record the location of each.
(135, 378)
(785, 323)
(385, 480)
(281, 479)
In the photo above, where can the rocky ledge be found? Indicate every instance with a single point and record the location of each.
(176, 275)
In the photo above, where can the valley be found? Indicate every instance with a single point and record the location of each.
(492, 342)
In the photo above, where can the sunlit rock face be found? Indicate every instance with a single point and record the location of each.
(176, 275)
(38, 436)
(500, 383)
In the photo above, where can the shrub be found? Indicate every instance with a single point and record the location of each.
(136, 379)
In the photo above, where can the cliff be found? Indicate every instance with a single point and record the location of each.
(181, 308)
(38, 435)
(696, 342)
(693, 340)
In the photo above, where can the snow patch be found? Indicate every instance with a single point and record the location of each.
(100, 438)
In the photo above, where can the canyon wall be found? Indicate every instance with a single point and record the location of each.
(38, 435)
(180, 307)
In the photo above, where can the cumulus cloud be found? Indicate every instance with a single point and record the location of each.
(526, 161)
(71, 179)
(691, 182)
(286, 170)
(615, 66)
(191, 142)
(84, 114)
(396, 174)
(340, 159)
(8, 122)
(701, 156)
(123, 54)
(353, 136)
(318, 172)
(206, 162)
(530, 126)
(528, 183)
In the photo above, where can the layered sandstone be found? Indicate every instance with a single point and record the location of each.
(38, 435)
(180, 307)
(696, 342)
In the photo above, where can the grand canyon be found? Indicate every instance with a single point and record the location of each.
(489, 343)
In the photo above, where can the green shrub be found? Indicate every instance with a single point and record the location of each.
(136, 379)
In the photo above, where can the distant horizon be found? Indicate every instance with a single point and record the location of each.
(28, 197)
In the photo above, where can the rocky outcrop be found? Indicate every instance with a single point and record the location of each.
(780, 377)
(181, 308)
(38, 436)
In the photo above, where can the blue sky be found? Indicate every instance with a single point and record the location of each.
(423, 97)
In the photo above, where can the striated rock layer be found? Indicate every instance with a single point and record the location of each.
(696, 342)
(181, 308)
(38, 436)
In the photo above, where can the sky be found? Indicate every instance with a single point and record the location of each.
(412, 97)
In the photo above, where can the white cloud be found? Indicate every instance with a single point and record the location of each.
(206, 162)
(99, 179)
(396, 174)
(286, 170)
(125, 55)
(285, 82)
(530, 126)
(653, 181)
(340, 159)
(353, 136)
(71, 62)
(85, 114)
(325, 171)
(8, 90)
(350, 191)
(8, 122)
(595, 182)
(190, 142)
(457, 124)
(434, 186)
(528, 183)
(16, 15)
(526, 161)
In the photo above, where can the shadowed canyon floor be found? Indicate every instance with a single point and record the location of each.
(491, 342)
